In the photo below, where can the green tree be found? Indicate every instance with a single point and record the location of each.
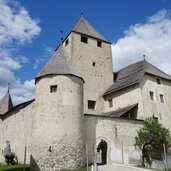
(150, 140)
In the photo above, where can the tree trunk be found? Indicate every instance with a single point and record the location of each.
(143, 156)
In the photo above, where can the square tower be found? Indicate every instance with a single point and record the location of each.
(91, 53)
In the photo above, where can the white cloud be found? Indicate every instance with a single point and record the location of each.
(16, 24)
(152, 38)
(47, 52)
(7, 61)
(23, 92)
(16, 28)
(23, 59)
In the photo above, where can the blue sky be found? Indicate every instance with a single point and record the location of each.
(30, 31)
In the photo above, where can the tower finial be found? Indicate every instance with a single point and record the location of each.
(61, 36)
(8, 87)
(82, 13)
(144, 57)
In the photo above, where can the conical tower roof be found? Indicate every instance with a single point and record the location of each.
(86, 28)
(59, 64)
(6, 103)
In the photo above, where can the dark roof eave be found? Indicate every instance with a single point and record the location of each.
(103, 116)
(120, 88)
(121, 111)
(36, 79)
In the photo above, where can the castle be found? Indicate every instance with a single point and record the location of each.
(81, 102)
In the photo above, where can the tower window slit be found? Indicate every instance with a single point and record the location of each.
(53, 88)
(161, 98)
(66, 42)
(84, 39)
(110, 101)
(99, 43)
(151, 95)
(91, 104)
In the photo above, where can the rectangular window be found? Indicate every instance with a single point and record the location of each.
(53, 88)
(110, 101)
(66, 42)
(91, 104)
(155, 118)
(152, 96)
(99, 43)
(161, 98)
(158, 80)
(84, 39)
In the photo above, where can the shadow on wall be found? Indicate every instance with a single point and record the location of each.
(90, 125)
(33, 164)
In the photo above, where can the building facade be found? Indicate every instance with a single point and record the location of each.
(80, 102)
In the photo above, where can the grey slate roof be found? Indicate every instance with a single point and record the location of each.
(59, 64)
(133, 74)
(18, 107)
(86, 28)
(120, 112)
(6, 103)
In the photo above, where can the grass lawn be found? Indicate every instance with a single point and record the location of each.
(162, 170)
(82, 169)
(19, 167)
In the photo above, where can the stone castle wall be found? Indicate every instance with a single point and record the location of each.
(58, 131)
(16, 126)
(54, 128)
(160, 110)
(139, 93)
(124, 98)
(119, 135)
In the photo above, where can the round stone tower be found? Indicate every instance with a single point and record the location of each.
(58, 127)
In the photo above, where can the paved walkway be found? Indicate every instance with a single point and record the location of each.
(119, 167)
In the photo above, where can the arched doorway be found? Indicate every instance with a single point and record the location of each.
(102, 150)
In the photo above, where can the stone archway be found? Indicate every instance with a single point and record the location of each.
(102, 152)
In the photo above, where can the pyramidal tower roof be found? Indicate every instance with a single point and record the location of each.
(59, 64)
(6, 103)
(86, 28)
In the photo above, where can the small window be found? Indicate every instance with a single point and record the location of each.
(99, 43)
(66, 42)
(161, 98)
(91, 104)
(84, 39)
(158, 80)
(110, 101)
(94, 64)
(53, 88)
(155, 118)
(152, 96)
